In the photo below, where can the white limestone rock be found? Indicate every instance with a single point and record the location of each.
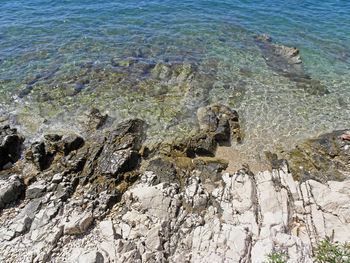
(241, 220)
(78, 223)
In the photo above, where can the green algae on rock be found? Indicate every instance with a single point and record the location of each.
(324, 158)
(78, 180)
(111, 160)
(286, 62)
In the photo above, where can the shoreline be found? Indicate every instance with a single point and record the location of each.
(106, 195)
(237, 160)
(174, 132)
(280, 101)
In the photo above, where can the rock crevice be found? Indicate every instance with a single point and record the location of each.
(110, 198)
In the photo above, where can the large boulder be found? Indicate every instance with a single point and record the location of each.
(120, 150)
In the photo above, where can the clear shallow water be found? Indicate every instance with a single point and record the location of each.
(161, 60)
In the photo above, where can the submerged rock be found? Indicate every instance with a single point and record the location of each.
(287, 62)
(92, 120)
(44, 75)
(25, 92)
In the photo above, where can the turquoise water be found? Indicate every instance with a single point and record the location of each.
(161, 60)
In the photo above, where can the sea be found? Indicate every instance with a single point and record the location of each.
(160, 60)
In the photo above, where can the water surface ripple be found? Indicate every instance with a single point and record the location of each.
(161, 60)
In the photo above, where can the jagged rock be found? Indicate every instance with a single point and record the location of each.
(42, 154)
(210, 167)
(44, 216)
(203, 144)
(221, 122)
(10, 146)
(248, 216)
(39, 156)
(72, 142)
(286, 62)
(94, 152)
(218, 125)
(22, 225)
(6, 234)
(91, 257)
(120, 152)
(164, 170)
(153, 241)
(208, 120)
(76, 160)
(57, 178)
(324, 158)
(65, 189)
(112, 163)
(251, 216)
(45, 240)
(23, 221)
(10, 189)
(222, 132)
(105, 201)
(30, 209)
(52, 137)
(78, 224)
(36, 190)
(154, 201)
(183, 209)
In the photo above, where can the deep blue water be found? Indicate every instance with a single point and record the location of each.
(49, 45)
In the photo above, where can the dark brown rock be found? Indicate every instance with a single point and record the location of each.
(221, 122)
(10, 146)
(71, 143)
(42, 154)
(39, 156)
(203, 144)
(120, 150)
(324, 158)
(164, 170)
(210, 168)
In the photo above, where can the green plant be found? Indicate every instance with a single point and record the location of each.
(277, 256)
(328, 252)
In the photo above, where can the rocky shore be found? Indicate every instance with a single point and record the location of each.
(106, 196)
